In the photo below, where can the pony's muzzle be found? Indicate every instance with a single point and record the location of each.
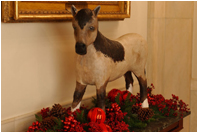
(81, 48)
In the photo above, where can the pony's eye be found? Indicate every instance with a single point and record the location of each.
(91, 28)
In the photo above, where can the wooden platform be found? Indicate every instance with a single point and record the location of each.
(169, 124)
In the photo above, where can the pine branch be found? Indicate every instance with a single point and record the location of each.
(38, 117)
(49, 130)
(150, 120)
(82, 117)
(117, 99)
(59, 124)
(94, 101)
(127, 106)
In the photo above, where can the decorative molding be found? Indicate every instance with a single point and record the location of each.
(45, 12)
(31, 11)
(5, 11)
(60, 12)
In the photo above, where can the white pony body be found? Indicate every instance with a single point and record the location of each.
(96, 63)
(100, 60)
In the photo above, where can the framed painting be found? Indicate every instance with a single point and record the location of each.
(38, 11)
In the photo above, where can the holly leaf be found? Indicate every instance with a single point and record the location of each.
(38, 117)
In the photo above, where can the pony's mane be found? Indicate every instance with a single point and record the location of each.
(110, 48)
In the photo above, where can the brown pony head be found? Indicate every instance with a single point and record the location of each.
(85, 24)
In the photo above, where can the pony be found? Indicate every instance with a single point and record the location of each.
(100, 60)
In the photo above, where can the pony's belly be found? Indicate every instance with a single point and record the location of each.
(100, 73)
(118, 71)
(114, 77)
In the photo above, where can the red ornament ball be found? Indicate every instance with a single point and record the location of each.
(96, 115)
(113, 93)
(125, 94)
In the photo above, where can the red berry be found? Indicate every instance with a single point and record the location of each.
(72, 125)
(37, 122)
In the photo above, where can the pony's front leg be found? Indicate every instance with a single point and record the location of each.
(101, 95)
(78, 94)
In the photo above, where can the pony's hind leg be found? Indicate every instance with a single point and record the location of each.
(141, 76)
(78, 94)
(129, 81)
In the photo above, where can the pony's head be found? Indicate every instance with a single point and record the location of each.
(85, 24)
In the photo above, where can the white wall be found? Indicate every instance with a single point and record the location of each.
(172, 43)
(38, 61)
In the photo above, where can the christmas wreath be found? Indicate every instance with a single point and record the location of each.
(123, 113)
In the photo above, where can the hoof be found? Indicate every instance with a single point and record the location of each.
(77, 107)
(145, 104)
(130, 89)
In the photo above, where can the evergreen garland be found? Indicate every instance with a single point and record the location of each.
(125, 112)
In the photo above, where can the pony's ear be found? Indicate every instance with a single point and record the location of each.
(96, 10)
(73, 10)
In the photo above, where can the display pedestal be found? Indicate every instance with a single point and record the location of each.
(175, 127)
(169, 124)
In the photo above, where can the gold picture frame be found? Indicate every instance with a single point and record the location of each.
(38, 11)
